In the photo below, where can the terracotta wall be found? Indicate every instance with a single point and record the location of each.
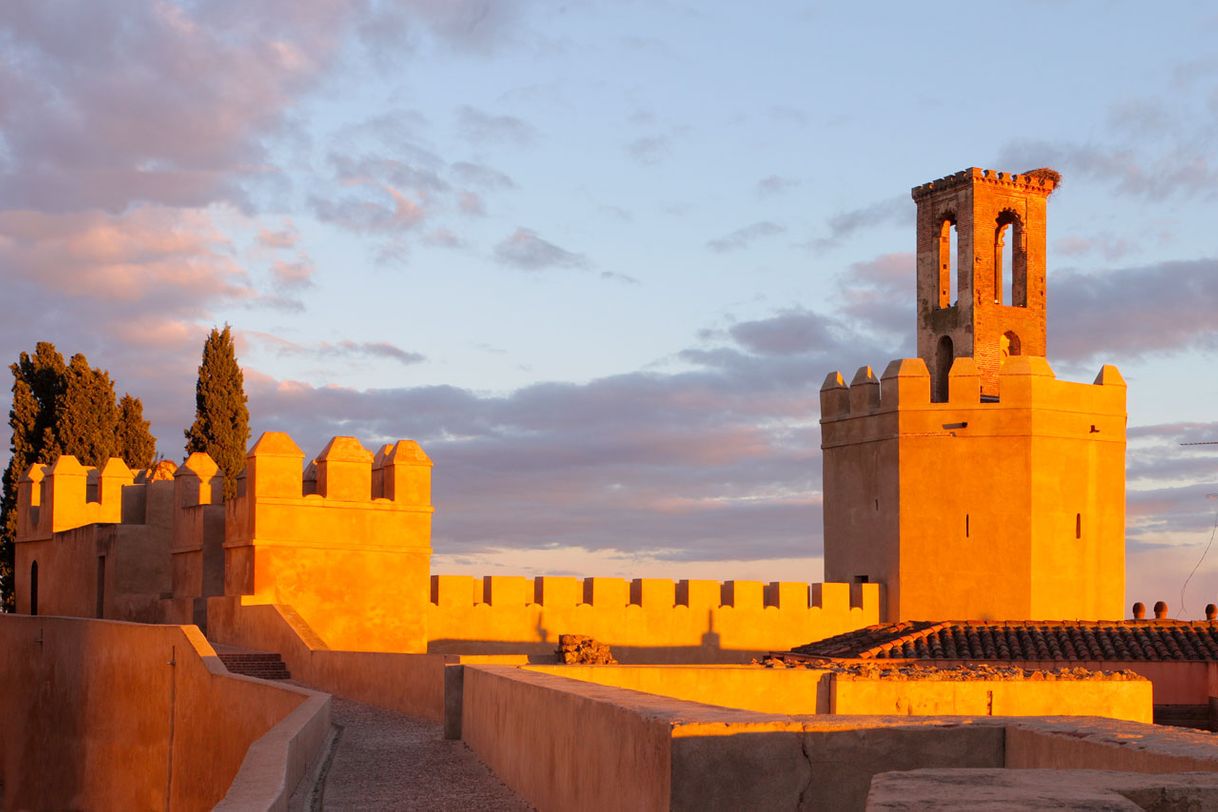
(108, 715)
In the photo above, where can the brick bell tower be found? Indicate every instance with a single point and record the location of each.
(997, 311)
(970, 482)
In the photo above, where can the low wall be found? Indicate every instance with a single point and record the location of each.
(1179, 682)
(565, 744)
(1040, 789)
(414, 684)
(1127, 699)
(109, 715)
(812, 691)
(791, 690)
(645, 620)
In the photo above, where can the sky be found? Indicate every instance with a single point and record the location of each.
(598, 257)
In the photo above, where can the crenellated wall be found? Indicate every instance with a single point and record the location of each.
(644, 619)
(92, 543)
(349, 550)
(976, 507)
(344, 545)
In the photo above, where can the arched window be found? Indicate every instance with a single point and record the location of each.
(944, 355)
(34, 588)
(949, 273)
(1010, 344)
(1010, 261)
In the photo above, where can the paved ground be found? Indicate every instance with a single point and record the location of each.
(384, 760)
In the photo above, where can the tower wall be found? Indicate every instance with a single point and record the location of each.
(984, 206)
(973, 508)
(350, 552)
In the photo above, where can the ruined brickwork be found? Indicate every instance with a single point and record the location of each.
(987, 210)
(986, 488)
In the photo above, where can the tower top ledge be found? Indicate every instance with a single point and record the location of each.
(1038, 181)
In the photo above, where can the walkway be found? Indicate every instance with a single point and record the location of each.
(384, 760)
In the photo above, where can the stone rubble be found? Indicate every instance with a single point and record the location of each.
(578, 649)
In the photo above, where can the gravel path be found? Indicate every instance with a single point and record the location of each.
(384, 760)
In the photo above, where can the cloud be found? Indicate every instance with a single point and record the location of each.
(292, 275)
(1180, 168)
(772, 185)
(1106, 245)
(479, 26)
(894, 210)
(614, 276)
(284, 238)
(744, 237)
(155, 102)
(525, 250)
(346, 348)
(1160, 309)
(649, 150)
(481, 175)
(684, 464)
(481, 127)
(878, 294)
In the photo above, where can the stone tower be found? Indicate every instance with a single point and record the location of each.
(996, 311)
(969, 481)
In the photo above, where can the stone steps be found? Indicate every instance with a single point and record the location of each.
(263, 665)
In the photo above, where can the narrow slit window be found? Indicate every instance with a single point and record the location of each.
(966, 525)
(949, 286)
(1078, 525)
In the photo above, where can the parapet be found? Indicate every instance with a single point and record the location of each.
(1041, 181)
(649, 594)
(67, 495)
(1025, 381)
(344, 471)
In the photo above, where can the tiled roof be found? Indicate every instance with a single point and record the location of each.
(1017, 640)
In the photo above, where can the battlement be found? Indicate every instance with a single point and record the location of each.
(1037, 181)
(561, 592)
(1025, 382)
(398, 475)
(67, 495)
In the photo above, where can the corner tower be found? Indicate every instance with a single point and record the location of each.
(986, 298)
(970, 481)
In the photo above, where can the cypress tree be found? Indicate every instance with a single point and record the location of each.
(38, 381)
(136, 445)
(221, 426)
(86, 420)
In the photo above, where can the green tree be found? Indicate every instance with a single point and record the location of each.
(136, 445)
(59, 409)
(221, 426)
(86, 419)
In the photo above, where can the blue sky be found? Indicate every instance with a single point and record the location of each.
(598, 257)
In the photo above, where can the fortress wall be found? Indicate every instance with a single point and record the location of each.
(933, 498)
(347, 546)
(644, 620)
(106, 715)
